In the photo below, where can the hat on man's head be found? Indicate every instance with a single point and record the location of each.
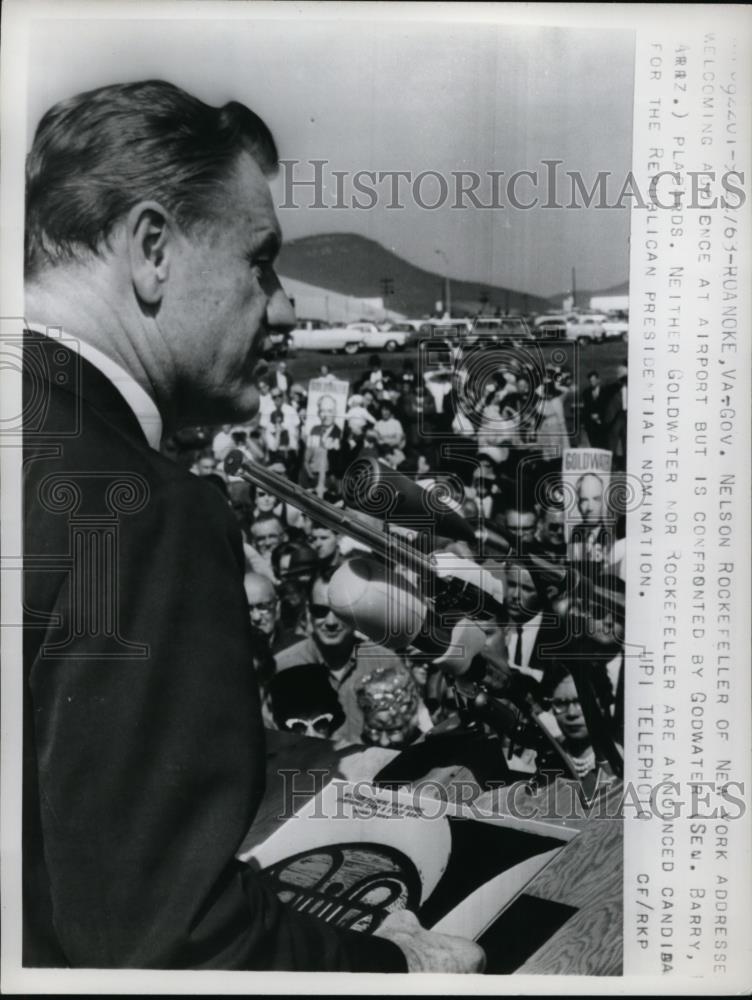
(302, 560)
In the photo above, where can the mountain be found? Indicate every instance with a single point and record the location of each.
(354, 265)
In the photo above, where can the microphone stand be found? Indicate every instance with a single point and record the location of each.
(444, 593)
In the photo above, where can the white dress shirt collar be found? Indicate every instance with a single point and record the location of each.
(143, 406)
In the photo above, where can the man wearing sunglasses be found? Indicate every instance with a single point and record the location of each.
(334, 644)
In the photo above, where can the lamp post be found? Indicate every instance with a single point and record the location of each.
(447, 287)
(387, 289)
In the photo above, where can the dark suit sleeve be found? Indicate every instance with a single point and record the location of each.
(150, 756)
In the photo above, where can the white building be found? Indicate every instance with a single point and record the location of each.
(607, 303)
(312, 302)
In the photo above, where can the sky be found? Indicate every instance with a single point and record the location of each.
(381, 95)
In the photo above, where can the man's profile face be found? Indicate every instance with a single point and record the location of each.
(328, 630)
(595, 381)
(523, 602)
(590, 499)
(222, 296)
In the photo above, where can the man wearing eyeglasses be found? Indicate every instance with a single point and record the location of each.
(264, 612)
(334, 645)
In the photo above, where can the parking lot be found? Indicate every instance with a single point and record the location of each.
(578, 358)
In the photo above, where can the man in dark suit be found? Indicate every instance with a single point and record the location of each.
(150, 243)
(615, 417)
(593, 401)
(534, 635)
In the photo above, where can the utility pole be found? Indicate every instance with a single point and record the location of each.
(447, 287)
(574, 289)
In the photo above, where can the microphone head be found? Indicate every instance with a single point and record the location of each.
(374, 600)
(234, 461)
(375, 489)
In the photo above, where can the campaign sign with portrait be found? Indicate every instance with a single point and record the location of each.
(325, 415)
(586, 485)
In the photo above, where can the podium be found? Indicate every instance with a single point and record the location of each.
(565, 920)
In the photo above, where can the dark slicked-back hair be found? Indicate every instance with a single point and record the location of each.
(96, 155)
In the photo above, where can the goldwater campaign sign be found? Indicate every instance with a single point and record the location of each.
(586, 486)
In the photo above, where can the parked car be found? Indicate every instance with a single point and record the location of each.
(510, 331)
(315, 324)
(616, 327)
(392, 337)
(550, 328)
(329, 338)
(454, 330)
(585, 328)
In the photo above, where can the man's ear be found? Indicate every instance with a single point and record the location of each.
(149, 233)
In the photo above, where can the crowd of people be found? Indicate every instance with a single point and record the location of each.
(498, 445)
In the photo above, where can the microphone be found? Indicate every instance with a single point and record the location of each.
(457, 591)
(373, 599)
(373, 488)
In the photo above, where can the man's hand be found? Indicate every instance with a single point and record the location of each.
(429, 952)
